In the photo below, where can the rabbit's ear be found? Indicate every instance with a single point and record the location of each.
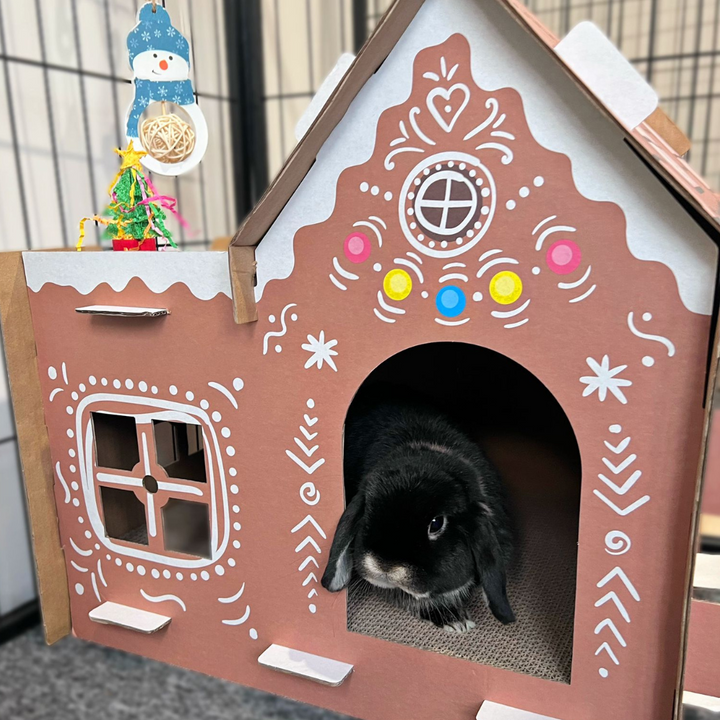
(491, 571)
(493, 583)
(339, 568)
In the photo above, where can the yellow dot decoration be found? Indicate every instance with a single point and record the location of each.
(506, 287)
(397, 284)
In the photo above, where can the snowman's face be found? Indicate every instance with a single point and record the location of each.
(160, 65)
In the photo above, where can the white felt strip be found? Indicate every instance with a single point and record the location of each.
(142, 621)
(607, 74)
(312, 667)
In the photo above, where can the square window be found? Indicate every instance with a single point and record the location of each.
(124, 515)
(116, 444)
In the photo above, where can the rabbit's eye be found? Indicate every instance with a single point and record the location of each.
(436, 526)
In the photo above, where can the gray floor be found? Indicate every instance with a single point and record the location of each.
(76, 680)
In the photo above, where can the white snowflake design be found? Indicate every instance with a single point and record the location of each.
(604, 379)
(322, 351)
(158, 33)
(145, 36)
(162, 91)
(171, 31)
(177, 99)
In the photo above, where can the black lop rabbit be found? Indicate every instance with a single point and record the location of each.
(426, 516)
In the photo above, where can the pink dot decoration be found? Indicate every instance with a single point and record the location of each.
(357, 247)
(563, 257)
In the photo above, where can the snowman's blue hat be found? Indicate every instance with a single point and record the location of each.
(154, 31)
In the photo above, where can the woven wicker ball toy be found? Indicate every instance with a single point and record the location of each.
(167, 137)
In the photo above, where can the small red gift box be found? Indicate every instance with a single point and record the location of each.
(148, 244)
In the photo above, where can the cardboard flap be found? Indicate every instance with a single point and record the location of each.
(122, 311)
(20, 355)
(142, 621)
(669, 131)
(242, 280)
(494, 711)
(305, 665)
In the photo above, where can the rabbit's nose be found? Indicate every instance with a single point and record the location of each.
(163, 65)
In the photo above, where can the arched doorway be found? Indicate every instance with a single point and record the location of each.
(523, 429)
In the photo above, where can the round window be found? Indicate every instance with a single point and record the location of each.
(446, 204)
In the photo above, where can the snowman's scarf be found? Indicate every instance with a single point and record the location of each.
(179, 92)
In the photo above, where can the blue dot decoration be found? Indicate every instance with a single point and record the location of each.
(450, 301)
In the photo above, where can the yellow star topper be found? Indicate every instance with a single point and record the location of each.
(130, 157)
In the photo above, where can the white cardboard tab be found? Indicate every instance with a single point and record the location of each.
(301, 664)
(122, 311)
(130, 618)
(707, 571)
(701, 701)
(493, 711)
(608, 74)
(323, 95)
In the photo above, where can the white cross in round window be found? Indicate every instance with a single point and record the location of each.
(446, 204)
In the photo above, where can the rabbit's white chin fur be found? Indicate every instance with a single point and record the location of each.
(386, 584)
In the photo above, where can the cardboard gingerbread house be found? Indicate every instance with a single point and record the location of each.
(480, 212)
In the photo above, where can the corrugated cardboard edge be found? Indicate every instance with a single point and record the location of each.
(692, 546)
(242, 281)
(669, 132)
(21, 359)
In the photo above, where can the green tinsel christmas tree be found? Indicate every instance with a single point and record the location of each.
(135, 212)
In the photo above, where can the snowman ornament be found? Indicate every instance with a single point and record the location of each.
(160, 60)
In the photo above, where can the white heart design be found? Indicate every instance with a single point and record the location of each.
(445, 95)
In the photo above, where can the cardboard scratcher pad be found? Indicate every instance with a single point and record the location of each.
(541, 589)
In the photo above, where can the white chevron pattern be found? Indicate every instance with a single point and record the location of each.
(627, 485)
(623, 511)
(608, 623)
(620, 486)
(620, 447)
(617, 469)
(309, 469)
(308, 451)
(612, 597)
(308, 525)
(619, 590)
